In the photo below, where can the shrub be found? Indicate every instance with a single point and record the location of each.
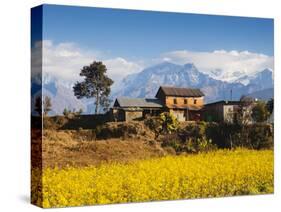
(253, 136)
(261, 136)
(199, 145)
(154, 124)
(194, 130)
(169, 122)
(202, 136)
(260, 112)
(122, 130)
(224, 135)
(174, 141)
(192, 139)
(166, 123)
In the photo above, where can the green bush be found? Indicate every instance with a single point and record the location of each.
(191, 139)
(261, 136)
(260, 112)
(154, 124)
(195, 138)
(174, 141)
(169, 122)
(199, 145)
(166, 123)
(224, 135)
(202, 137)
(194, 130)
(253, 136)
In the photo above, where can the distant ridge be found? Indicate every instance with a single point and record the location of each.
(265, 94)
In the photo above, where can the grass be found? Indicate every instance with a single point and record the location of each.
(213, 174)
(77, 148)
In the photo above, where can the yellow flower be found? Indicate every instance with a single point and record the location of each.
(214, 174)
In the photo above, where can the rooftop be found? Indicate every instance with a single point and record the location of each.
(181, 92)
(224, 102)
(137, 102)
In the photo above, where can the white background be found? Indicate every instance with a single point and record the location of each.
(15, 90)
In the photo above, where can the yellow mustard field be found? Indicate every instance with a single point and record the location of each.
(214, 174)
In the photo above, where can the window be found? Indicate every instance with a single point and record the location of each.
(185, 101)
(195, 101)
(175, 101)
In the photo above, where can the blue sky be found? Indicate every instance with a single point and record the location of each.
(128, 41)
(145, 34)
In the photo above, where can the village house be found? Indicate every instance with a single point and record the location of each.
(221, 111)
(184, 103)
(227, 111)
(128, 109)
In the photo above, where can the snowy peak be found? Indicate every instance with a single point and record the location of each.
(147, 82)
(190, 66)
(232, 75)
(263, 78)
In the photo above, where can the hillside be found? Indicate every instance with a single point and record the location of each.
(80, 148)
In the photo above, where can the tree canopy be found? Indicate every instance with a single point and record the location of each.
(243, 114)
(260, 112)
(96, 85)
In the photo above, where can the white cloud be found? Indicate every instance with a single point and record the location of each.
(231, 63)
(119, 68)
(65, 60)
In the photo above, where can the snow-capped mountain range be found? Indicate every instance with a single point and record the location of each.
(147, 82)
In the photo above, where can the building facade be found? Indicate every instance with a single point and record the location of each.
(184, 103)
(221, 111)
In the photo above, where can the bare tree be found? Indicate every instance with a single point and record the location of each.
(47, 105)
